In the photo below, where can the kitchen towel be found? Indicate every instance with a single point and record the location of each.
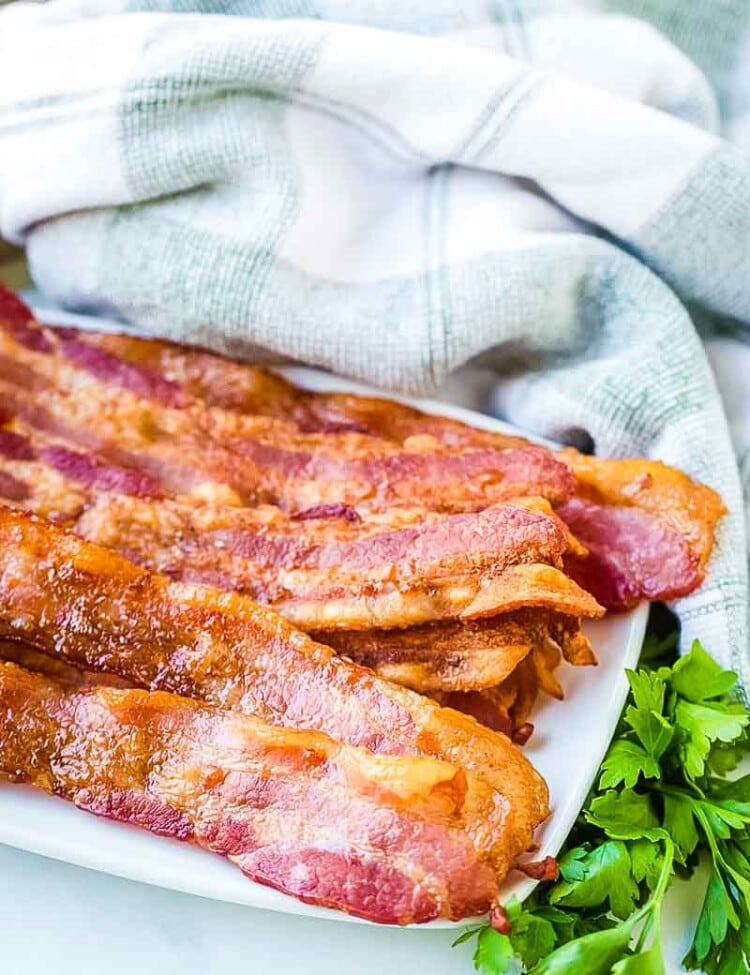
(551, 198)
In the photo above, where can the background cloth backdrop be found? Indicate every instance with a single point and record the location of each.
(551, 192)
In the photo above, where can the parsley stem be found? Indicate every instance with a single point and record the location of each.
(651, 910)
(662, 883)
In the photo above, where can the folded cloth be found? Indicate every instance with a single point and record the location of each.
(396, 190)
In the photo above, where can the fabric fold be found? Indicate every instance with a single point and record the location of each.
(402, 195)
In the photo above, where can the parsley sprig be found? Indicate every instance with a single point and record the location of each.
(665, 795)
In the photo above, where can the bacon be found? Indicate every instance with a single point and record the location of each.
(333, 825)
(28, 657)
(343, 576)
(14, 446)
(631, 556)
(523, 733)
(507, 707)
(544, 870)
(499, 920)
(58, 481)
(482, 707)
(101, 404)
(111, 369)
(422, 575)
(341, 585)
(344, 511)
(95, 610)
(236, 386)
(195, 422)
(18, 319)
(456, 656)
(105, 477)
(650, 509)
(408, 567)
(12, 309)
(43, 489)
(253, 390)
(12, 488)
(649, 529)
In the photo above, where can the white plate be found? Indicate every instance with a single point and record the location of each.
(568, 745)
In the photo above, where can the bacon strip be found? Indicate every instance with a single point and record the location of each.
(648, 528)
(454, 656)
(95, 610)
(253, 390)
(12, 488)
(59, 482)
(344, 576)
(378, 837)
(387, 571)
(17, 652)
(93, 399)
(423, 577)
(407, 567)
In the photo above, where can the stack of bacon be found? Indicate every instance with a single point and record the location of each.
(451, 561)
(416, 545)
(231, 729)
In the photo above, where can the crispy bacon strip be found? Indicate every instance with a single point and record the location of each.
(180, 540)
(97, 611)
(649, 528)
(14, 489)
(347, 576)
(407, 565)
(378, 837)
(253, 390)
(59, 482)
(454, 656)
(63, 384)
(508, 706)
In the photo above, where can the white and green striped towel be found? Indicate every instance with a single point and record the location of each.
(550, 191)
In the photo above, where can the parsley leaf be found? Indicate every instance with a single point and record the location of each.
(625, 763)
(697, 676)
(662, 798)
(680, 824)
(649, 962)
(647, 689)
(593, 954)
(654, 731)
(700, 725)
(646, 859)
(495, 954)
(626, 815)
(533, 938)
(602, 874)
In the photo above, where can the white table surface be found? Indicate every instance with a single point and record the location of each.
(56, 919)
